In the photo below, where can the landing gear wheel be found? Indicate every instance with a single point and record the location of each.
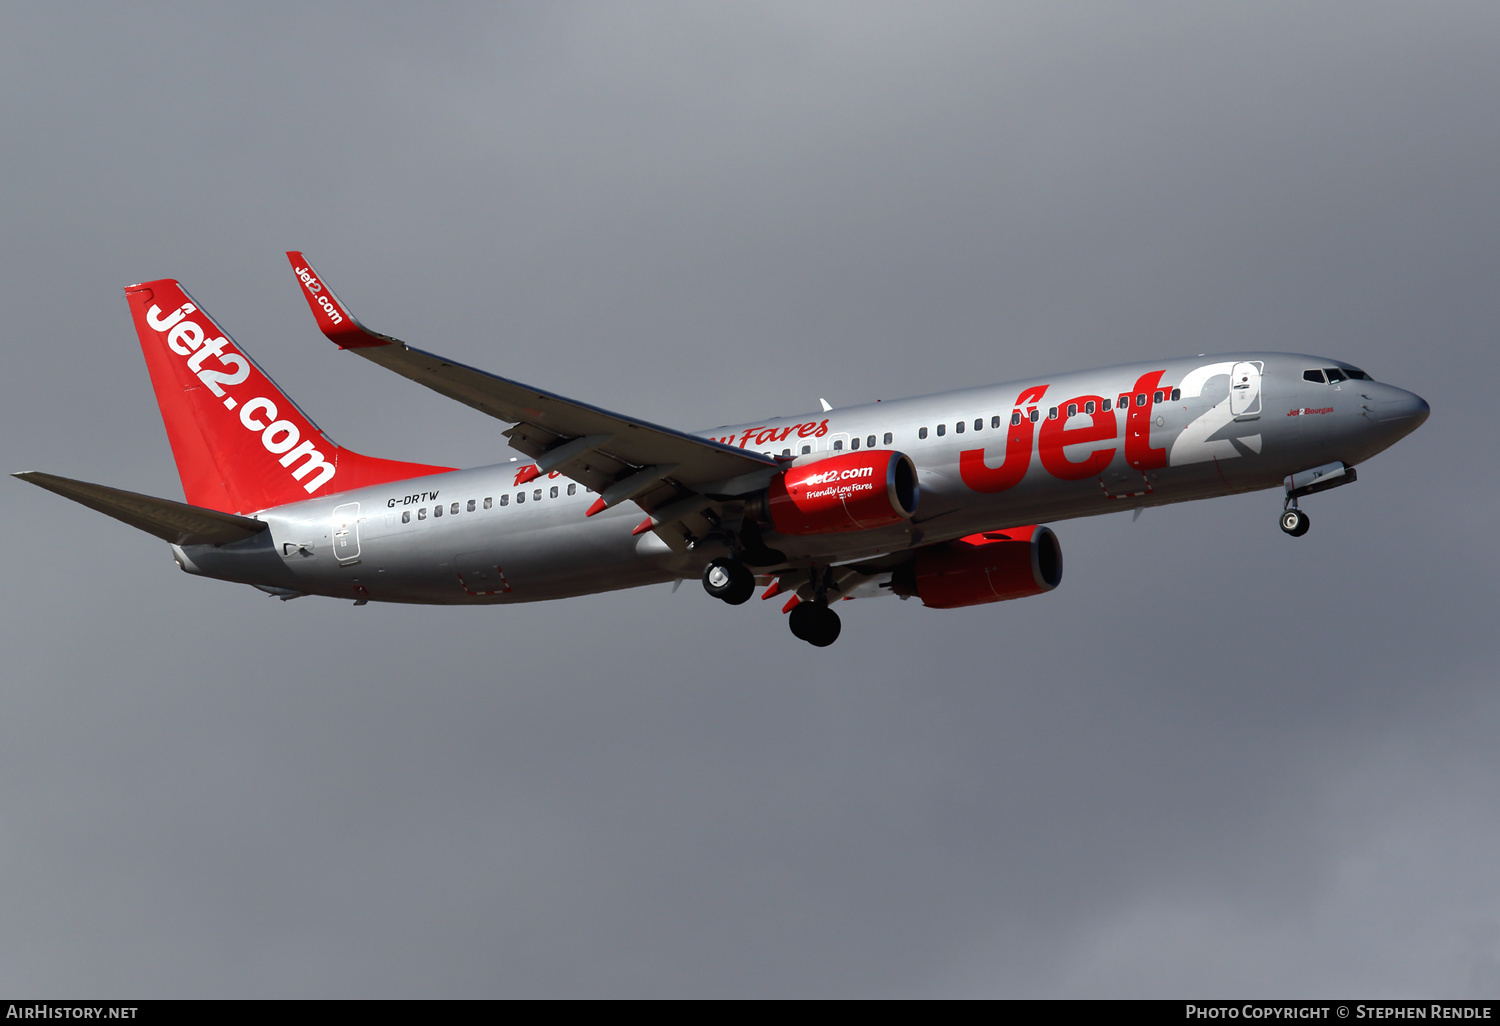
(815, 624)
(730, 580)
(1295, 522)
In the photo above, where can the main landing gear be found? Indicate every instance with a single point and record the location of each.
(812, 621)
(729, 580)
(815, 623)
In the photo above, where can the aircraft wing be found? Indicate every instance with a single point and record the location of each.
(175, 522)
(668, 473)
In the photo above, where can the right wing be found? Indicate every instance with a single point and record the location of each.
(175, 522)
(676, 477)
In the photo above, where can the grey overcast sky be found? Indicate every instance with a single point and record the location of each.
(1215, 762)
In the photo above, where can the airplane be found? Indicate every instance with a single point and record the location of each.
(942, 498)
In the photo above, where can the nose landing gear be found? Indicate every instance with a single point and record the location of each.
(1295, 522)
(1319, 479)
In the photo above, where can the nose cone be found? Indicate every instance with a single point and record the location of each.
(1396, 413)
(1401, 409)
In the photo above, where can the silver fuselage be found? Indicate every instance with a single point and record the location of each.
(390, 543)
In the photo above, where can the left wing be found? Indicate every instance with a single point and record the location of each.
(674, 476)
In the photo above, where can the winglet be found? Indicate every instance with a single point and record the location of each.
(333, 317)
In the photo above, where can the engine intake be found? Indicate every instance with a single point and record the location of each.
(853, 491)
(988, 567)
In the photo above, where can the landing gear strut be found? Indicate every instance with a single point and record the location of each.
(815, 623)
(729, 580)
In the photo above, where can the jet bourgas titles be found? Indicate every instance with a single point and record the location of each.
(940, 498)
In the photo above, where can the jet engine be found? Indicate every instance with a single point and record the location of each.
(989, 567)
(853, 491)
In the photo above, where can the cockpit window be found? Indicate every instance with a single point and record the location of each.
(1357, 374)
(1313, 375)
(1334, 374)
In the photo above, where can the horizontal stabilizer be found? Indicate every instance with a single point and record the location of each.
(176, 522)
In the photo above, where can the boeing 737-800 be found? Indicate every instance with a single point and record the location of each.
(938, 498)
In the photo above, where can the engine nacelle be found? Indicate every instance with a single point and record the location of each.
(989, 567)
(853, 491)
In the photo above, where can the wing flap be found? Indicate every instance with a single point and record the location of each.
(175, 522)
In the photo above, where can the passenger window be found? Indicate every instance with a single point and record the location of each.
(489, 501)
(888, 438)
(942, 430)
(1052, 413)
(1176, 394)
(1104, 406)
(437, 511)
(1315, 376)
(806, 449)
(505, 499)
(454, 509)
(1124, 401)
(1035, 416)
(870, 442)
(1156, 397)
(553, 493)
(1072, 409)
(854, 442)
(958, 428)
(406, 516)
(471, 505)
(1334, 374)
(995, 420)
(786, 452)
(921, 432)
(1015, 417)
(520, 497)
(422, 513)
(573, 489)
(1088, 407)
(537, 495)
(1140, 398)
(838, 445)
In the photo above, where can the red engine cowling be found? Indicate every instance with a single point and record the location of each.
(989, 567)
(853, 491)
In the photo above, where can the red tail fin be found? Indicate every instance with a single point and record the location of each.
(241, 445)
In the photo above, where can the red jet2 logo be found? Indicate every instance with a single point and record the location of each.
(1056, 436)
